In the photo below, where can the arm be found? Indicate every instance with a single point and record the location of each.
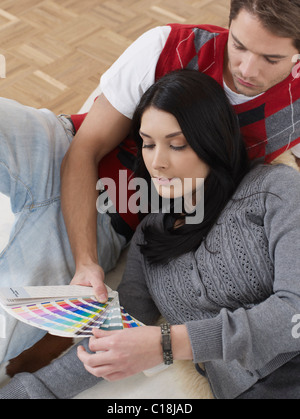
(257, 336)
(131, 351)
(107, 124)
(102, 131)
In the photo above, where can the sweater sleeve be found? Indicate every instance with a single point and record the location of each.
(255, 337)
(133, 291)
(64, 378)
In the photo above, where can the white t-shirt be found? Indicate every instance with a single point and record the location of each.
(134, 72)
(237, 98)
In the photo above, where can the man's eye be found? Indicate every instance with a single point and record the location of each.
(271, 61)
(239, 47)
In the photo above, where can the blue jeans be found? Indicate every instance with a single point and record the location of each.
(32, 146)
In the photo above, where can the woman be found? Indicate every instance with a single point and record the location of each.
(228, 286)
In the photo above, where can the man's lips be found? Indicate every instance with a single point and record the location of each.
(245, 83)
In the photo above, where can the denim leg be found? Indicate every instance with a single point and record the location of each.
(32, 146)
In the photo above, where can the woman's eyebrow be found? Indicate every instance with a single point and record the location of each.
(142, 134)
(174, 134)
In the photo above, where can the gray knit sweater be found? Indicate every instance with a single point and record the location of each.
(237, 293)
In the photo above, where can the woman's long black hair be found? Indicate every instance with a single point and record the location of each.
(211, 128)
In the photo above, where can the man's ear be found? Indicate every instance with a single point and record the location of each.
(296, 68)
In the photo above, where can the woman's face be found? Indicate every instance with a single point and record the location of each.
(175, 168)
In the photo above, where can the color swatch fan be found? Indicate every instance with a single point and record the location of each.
(67, 311)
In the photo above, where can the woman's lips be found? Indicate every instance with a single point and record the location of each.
(163, 181)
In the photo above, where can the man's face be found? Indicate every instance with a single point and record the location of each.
(257, 59)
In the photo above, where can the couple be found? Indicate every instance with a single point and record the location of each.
(235, 316)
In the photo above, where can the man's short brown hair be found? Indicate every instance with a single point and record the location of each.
(281, 17)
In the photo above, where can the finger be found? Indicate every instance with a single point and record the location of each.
(82, 354)
(103, 340)
(87, 358)
(92, 363)
(97, 282)
(99, 344)
(100, 290)
(92, 360)
(98, 333)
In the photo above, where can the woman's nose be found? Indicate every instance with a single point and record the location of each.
(160, 160)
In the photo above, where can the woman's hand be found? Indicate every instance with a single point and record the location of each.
(122, 353)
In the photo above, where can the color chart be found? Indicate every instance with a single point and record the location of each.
(128, 321)
(74, 317)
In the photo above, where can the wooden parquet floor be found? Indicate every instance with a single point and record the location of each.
(56, 50)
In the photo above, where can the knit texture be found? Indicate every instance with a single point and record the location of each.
(62, 379)
(239, 291)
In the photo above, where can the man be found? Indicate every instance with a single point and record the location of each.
(254, 61)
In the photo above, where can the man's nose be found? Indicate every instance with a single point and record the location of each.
(249, 67)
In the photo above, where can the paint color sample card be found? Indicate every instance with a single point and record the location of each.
(22, 295)
(75, 316)
(128, 321)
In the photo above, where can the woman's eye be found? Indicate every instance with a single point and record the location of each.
(178, 148)
(150, 146)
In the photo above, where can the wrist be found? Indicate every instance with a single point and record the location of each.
(87, 255)
(87, 262)
(181, 344)
(176, 344)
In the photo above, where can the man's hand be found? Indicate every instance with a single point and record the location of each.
(92, 276)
